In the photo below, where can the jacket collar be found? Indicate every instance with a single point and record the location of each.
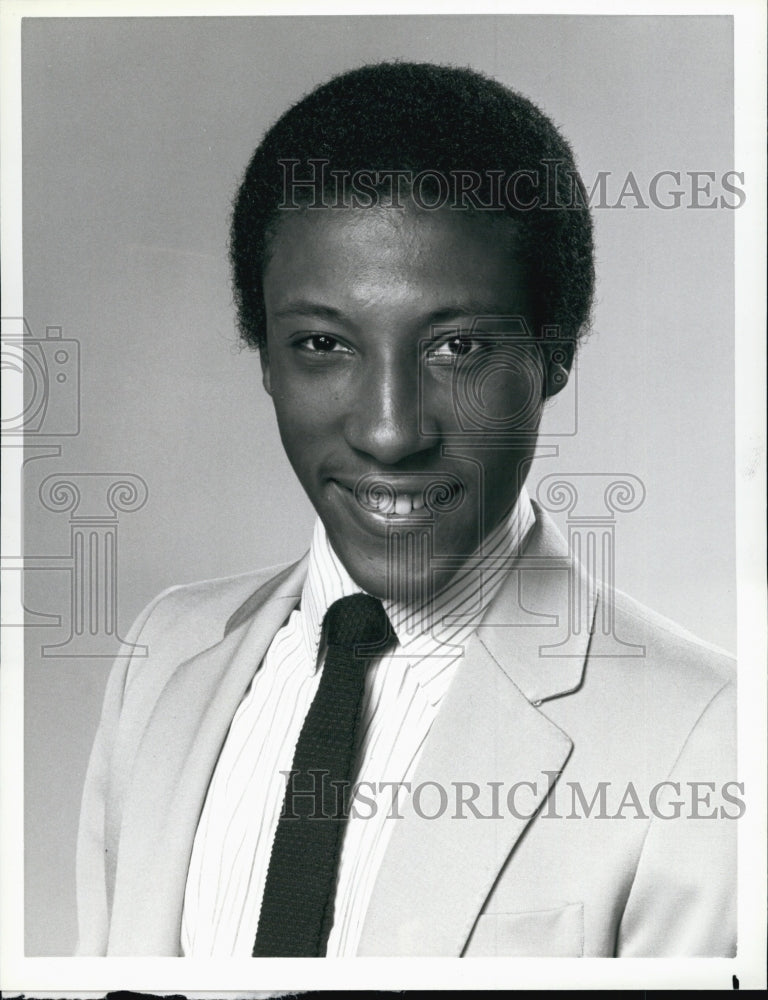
(536, 629)
(539, 627)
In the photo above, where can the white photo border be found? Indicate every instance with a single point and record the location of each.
(76, 976)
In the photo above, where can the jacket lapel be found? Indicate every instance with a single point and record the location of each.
(437, 873)
(174, 765)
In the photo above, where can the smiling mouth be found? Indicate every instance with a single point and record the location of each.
(431, 494)
(394, 503)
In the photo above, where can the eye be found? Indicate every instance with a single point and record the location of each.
(321, 343)
(452, 347)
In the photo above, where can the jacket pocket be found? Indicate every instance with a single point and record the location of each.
(551, 933)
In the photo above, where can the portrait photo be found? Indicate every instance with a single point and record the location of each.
(384, 499)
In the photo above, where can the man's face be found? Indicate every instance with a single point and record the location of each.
(411, 437)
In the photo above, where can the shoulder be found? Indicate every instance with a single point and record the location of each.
(633, 652)
(189, 618)
(684, 658)
(668, 687)
(211, 602)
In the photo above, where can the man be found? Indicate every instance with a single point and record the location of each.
(412, 255)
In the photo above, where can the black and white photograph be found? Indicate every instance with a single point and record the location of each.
(383, 499)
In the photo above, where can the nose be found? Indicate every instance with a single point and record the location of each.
(388, 422)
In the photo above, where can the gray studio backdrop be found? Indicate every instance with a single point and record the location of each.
(135, 134)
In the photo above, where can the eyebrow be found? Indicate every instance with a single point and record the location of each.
(305, 307)
(466, 309)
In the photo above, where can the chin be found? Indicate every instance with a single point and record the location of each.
(375, 578)
(369, 576)
(410, 589)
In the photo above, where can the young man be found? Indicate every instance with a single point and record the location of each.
(413, 259)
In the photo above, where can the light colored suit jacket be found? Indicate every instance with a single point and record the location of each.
(584, 876)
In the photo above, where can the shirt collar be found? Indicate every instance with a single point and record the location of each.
(428, 629)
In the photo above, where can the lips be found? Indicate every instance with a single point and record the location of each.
(383, 501)
(424, 494)
(394, 502)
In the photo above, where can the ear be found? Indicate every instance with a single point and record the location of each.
(266, 377)
(558, 359)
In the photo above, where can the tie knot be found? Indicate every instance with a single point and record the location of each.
(358, 620)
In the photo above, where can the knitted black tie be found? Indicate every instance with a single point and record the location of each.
(297, 908)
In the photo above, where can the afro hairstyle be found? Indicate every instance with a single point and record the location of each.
(416, 117)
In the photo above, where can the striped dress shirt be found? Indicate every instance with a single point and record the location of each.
(404, 688)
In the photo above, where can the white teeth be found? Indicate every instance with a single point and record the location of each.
(406, 503)
(403, 504)
(399, 505)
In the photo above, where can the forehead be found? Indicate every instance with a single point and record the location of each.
(377, 255)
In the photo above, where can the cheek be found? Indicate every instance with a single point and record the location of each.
(522, 400)
(497, 400)
(304, 421)
(309, 421)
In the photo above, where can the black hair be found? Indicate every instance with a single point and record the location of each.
(430, 122)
